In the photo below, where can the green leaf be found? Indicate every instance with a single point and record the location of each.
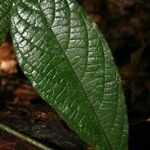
(5, 8)
(70, 65)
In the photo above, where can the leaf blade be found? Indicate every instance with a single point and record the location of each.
(81, 68)
(5, 8)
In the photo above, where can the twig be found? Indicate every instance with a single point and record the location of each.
(24, 137)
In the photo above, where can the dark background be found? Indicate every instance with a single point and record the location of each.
(125, 25)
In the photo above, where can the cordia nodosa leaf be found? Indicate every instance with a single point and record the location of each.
(68, 62)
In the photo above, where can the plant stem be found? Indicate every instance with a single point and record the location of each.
(24, 137)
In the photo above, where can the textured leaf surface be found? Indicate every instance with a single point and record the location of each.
(5, 8)
(70, 65)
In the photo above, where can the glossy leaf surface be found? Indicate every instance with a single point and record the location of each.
(69, 63)
(5, 9)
